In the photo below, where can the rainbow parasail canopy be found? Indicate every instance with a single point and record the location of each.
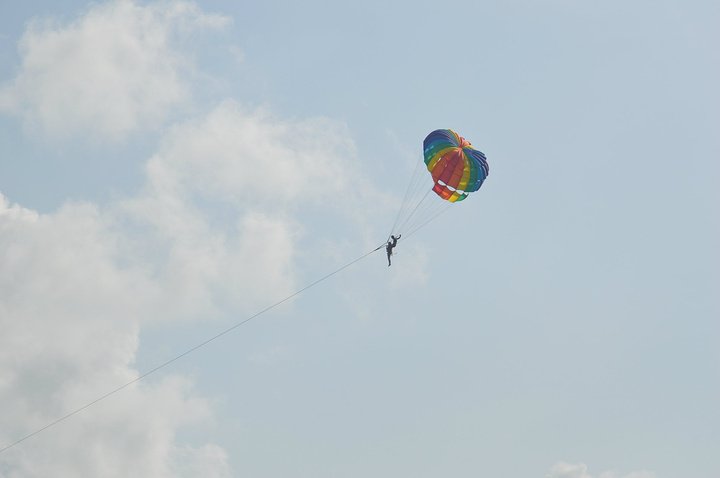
(456, 167)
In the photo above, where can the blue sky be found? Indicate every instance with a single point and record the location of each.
(169, 169)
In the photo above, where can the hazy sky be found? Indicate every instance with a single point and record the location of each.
(168, 169)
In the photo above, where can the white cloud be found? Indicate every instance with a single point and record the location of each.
(252, 159)
(70, 321)
(568, 470)
(77, 286)
(110, 72)
(141, 423)
(221, 198)
(251, 156)
(215, 232)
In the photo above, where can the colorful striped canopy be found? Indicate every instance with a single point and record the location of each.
(456, 167)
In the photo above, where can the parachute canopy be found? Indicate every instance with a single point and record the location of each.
(456, 167)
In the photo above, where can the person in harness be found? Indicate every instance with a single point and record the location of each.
(390, 246)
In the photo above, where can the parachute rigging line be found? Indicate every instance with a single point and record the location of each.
(419, 224)
(65, 417)
(410, 193)
(419, 207)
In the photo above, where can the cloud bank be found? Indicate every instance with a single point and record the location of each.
(76, 287)
(70, 321)
(110, 72)
(580, 470)
(213, 233)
